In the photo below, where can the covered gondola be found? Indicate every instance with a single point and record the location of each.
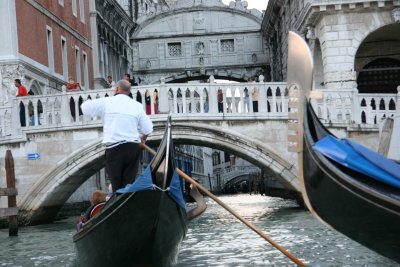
(348, 187)
(144, 224)
(363, 208)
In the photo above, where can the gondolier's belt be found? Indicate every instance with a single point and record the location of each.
(111, 145)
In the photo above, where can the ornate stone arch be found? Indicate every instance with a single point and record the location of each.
(35, 87)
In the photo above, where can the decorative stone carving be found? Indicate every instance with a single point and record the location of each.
(7, 123)
(201, 60)
(148, 64)
(199, 22)
(146, 79)
(254, 58)
(200, 48)
(8, 74)
(310, 33)
(228, 46)
(396, 15)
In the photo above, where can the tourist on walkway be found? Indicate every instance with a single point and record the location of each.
(31, 112)
(147, 100)
(132, 81)
(110, 82)
(155, 97)
(21, 92)
(254, 95)
(220, 97)
(121, 116)
(71, 87)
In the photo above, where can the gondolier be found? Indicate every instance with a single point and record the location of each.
(122, 116)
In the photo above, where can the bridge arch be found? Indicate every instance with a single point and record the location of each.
(45, 198)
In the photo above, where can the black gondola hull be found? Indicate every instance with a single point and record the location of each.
(365, 210)
(142, 228)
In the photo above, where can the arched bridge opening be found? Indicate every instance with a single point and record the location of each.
(52, 190)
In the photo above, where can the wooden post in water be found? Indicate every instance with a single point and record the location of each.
(12, 199)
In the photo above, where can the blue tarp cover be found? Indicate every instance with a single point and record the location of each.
(175, 191)
(142, 183)
(145, 182)
(360, 158)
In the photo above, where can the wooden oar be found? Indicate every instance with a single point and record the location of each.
(234, 213)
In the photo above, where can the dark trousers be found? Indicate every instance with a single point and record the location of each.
(122, 164)
(255, 106)
(22, 118)
(220, 107)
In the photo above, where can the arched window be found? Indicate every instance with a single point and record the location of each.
(363, 103)
(379, 76)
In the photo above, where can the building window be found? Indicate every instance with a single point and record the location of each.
(175, 49)
(227, 46)
(216, 159)
(85, 71)
(82, 10)
(50, 49)
(74, 8)
(227, 157)
(379, 76)
(78, 65)
(61, 2)
(64, 57)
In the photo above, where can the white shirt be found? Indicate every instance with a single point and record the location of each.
(122, 116)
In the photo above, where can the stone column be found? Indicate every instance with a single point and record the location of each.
(95, 47)
(398, 101)
(8, 29)
(212, 96)
(161, 55)
(262, 96)
(356, 114)
(214, 51)
(163, 106)
(15, 122)
(65, 110)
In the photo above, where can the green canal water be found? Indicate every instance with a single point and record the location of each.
(214, 239)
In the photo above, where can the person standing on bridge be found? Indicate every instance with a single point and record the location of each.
(21, 92)
(122, 116)
(254, 94)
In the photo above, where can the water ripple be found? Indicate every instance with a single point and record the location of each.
(214, 239)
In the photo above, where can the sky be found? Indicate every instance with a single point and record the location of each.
(258, 4)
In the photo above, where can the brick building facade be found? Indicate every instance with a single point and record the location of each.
(45, 43)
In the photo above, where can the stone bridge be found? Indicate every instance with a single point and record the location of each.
(68, 150)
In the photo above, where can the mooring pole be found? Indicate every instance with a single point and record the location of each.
(12, 199)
